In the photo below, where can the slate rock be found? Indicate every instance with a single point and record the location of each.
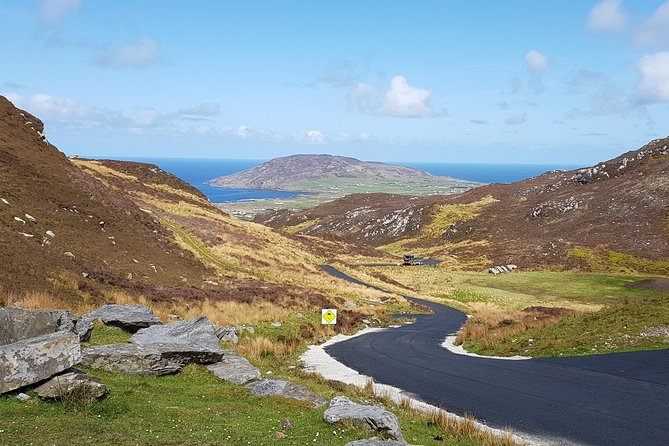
(72, 383)
(196, 333)
(32, 360)
(373, 417)
(235, 369)
(376, 442)
(18, 324)
(129, 317)
(227, 333)
(151, 359)
(285, 389)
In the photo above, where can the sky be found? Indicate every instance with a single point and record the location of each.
(514, 81)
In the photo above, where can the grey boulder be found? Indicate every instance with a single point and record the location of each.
(74, 384)
(32, 360)
(235, 369)
(196, 333)
(285, 389)
(130, 317)
(151, 359)
(372, 417)
(18, 324)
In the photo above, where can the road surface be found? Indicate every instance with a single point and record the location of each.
(614, 399)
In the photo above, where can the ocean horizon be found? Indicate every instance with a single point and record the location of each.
(198, 171)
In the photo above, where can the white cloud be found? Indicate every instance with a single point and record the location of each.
(607, 16)
(315, 137)
(14, 98)
(655, 29)
(60, 109)
(143, 53)
(479, 121)
(52, 12)
(242, 131)
(405, 100)
(536, 62)
(204, 109)
(654, 84)
(516, 119)
(363, 136)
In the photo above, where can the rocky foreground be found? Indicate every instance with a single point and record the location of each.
(40, 348)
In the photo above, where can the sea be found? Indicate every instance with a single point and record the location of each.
(198, 171)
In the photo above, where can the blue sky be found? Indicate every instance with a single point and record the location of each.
(527, 81)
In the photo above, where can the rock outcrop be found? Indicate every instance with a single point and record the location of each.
(285, 389)
(376, 442)
(372, 417)
(196, 333)
(151, 359)
(129, 317)
(19, 324)
(32, 360)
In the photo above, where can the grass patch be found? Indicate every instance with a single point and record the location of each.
(301, 227)
(443, 216)
(621, 327)
(603, 260)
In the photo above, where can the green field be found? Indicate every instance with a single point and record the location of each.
(333, 188)
(606, 315)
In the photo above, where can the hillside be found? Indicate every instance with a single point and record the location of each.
(282, 173)
(616, 212)
(84, 230)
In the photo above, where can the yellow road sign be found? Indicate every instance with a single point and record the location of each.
(328, 316)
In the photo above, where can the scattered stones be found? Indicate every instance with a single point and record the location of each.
(235, 369)
(279, 435)
(72, 383)
(373, 417)
(153, 359)
(350, 305)
(31, 218)
(20, 220)
(502, 269)
(23, 397)
(32, 360)
(130, 317)
(197, 334)
(27, 235)
(276, 324)
(285, 389)
(68, 254)
(4, 201)
(227, 333)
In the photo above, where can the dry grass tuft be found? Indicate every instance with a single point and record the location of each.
(467, 427)
(491, 325)
(261, 347)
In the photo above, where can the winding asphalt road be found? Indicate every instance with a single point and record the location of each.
(614, 399)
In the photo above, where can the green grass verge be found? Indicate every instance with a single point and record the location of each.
(626, 326)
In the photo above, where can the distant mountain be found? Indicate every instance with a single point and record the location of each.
(614, 212)
(282, 173)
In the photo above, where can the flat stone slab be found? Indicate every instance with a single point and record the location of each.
(129, 317)
(376, 442)
(152, 359)
(32, 360)
(235, 369)
(285, 389)
(19, 324)
(74, 384)
(372, 417)
(196, 333)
